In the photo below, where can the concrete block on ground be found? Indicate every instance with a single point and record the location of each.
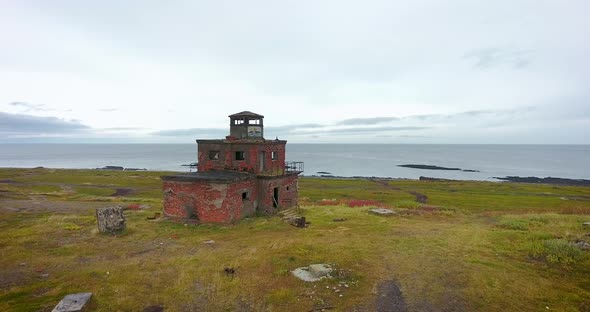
(110, 219)
(73, 303)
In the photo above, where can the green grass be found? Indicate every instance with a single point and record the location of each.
(488, 247)
(556, 251)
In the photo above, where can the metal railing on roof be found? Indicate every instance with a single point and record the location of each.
(294, 166)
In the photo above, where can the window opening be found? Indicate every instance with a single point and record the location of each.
(240, 155)
(214, 155)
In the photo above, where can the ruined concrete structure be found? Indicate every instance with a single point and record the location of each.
(237, 176)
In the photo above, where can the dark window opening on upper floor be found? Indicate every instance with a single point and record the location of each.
(240, 155)
(245, 196)
(238, 122)
(274, 155)
(214, 155)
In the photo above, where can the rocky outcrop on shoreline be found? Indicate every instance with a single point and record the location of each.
(547, 180)
(513, 179)
(431, 167)
(119, 168)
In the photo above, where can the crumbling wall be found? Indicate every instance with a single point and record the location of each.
(227, 158)
(288, 192)
(210, 202)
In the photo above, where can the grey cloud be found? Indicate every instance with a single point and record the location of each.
(122, 128)
(366, 121)
(30, 107)
(371, 130)
(297, 126)
(423, 117)
(409, 136)
(290, 129)
(428, 117)
(270, 132)
(470, 114)
(218, 132)
(490, 57)
(19, 124)
(27, 107)
(222, 132)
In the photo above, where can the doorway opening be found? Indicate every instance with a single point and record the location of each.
(275, 197)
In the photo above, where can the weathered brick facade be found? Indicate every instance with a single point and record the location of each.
(287, 192)
(236, 177)
(257, 156)
(210, 201)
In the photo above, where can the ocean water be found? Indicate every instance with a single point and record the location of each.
(381, 160)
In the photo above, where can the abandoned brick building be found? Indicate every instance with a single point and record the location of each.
(236, 176)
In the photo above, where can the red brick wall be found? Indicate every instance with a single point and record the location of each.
(288, 189)
(251, 163)
(273, 166)
(209, 202)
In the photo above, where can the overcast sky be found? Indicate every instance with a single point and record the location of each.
(421, 71)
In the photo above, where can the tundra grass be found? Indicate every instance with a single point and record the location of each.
(494, 247)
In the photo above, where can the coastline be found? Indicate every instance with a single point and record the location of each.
(506, 179)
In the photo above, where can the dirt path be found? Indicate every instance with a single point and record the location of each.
(123, 192)
(390, 298)
(421, 198)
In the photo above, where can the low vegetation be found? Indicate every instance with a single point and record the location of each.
(470, 246)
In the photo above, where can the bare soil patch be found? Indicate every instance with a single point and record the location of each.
(11, 278)
(123, 192)
(390, 298)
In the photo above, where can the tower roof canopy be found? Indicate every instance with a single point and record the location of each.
(246, 114)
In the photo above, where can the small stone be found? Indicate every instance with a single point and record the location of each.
(73, 303)
(296, 221)
(337, 290)
(586, 224)
(313, 273)
(209, 242)
(45, 275)
(340, 295)
(582, 244)
(320, 270)
(345, 285)
(108, 273)
(23, 264)
(156, 216)
(382, 212)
